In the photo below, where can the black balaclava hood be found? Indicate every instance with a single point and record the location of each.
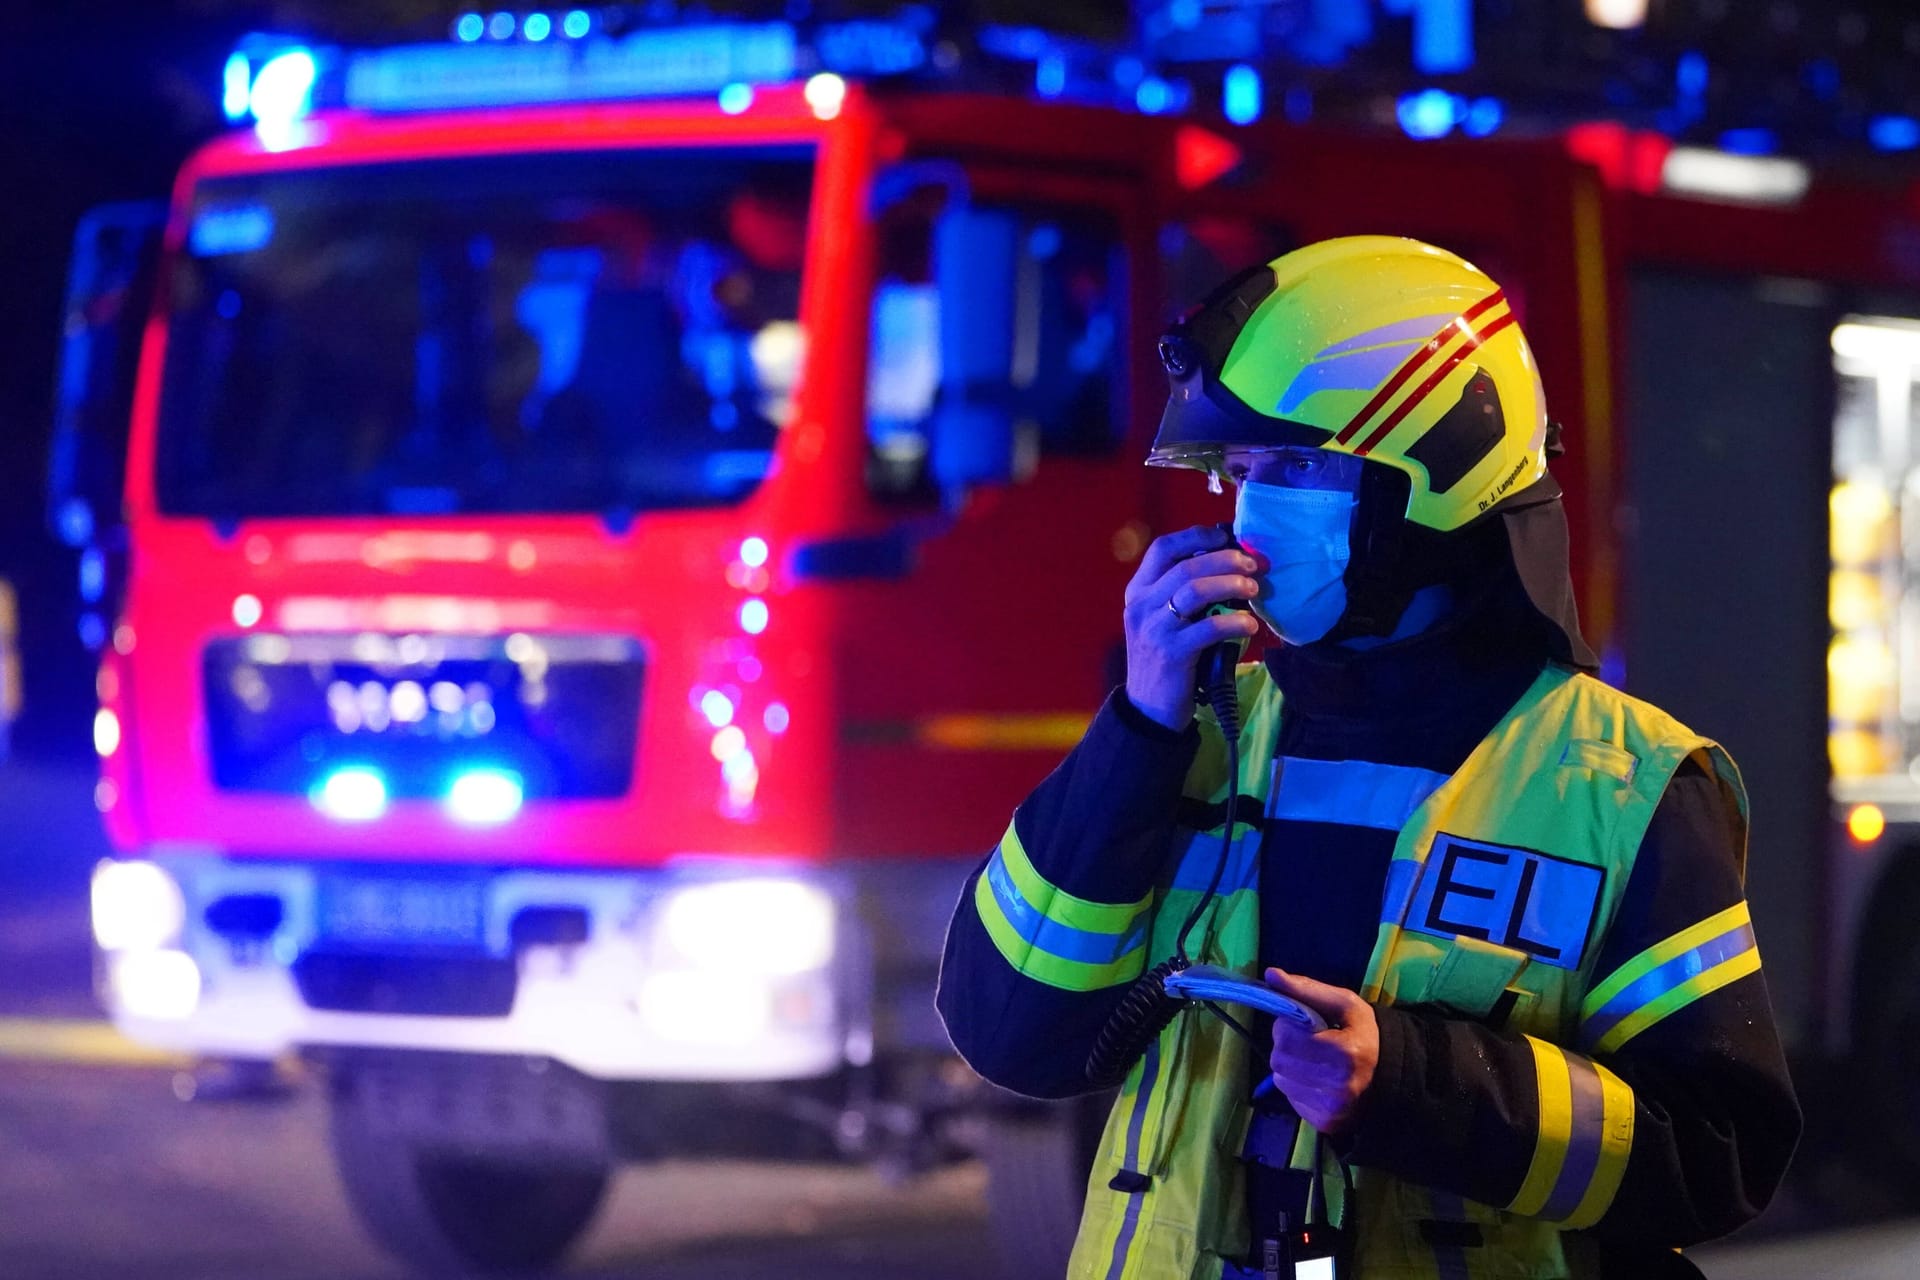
(1393, 559)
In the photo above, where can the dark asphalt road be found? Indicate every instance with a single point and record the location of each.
(105, 1174)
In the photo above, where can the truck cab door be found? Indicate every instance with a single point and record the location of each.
(1003, 457)
(110, 291)
(1028, 438)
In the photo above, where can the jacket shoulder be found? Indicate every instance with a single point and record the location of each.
(1590, 697)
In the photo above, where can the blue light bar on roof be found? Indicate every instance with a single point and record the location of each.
(236, 83)
(1443, 36)
(1240, 94)
(1749, 142)
(644, 64)
(1484, 115)
(1430, 113)
(1894, 133)
(868, 47)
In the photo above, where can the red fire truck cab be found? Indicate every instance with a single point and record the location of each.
(603, 529)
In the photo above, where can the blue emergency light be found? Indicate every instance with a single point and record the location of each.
(1240, 94)
(1430, 113)
(514, 59)
(506, 59)
(1893, 133)
(653, 63)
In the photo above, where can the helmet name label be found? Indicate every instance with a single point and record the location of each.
(1506, 483)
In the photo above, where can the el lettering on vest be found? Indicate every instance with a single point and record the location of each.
(1532, 902)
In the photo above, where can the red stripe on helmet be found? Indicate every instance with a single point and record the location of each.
(1427, 350)
(1433, 380)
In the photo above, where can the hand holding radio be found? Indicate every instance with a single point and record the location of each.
(1168, 625)
(1324, 1073)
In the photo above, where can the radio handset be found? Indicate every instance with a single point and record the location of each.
(1149, 1005)
(1214, 673)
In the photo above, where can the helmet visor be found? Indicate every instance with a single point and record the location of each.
(1203, 421)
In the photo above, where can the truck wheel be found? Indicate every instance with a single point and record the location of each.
(1037, 1167)
(456, 1214)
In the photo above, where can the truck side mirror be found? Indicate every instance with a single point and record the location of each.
(110, 288)
(976, 266)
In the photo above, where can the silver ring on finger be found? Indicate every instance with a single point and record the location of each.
(1174, 609)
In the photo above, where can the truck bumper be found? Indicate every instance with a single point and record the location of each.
(709, 970)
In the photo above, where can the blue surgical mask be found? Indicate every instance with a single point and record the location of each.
(1302, 536)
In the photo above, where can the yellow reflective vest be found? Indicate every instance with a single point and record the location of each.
(1552, 805)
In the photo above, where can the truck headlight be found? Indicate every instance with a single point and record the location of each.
(773, 928)
(163, 985)
(706, 1008)
(136, 907)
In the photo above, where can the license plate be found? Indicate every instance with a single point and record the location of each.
(402, 912)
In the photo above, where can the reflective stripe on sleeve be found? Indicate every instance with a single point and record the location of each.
(1050, 935)
(1667, 977)
(1585, 1134)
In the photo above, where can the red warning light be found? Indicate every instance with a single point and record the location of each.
(1200, 156)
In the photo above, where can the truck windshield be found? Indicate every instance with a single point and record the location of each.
(591, 332)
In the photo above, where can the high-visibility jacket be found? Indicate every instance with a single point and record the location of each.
(1503, 883)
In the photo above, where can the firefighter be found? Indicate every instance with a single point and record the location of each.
(1513, 892)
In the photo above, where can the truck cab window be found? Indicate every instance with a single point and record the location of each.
(1064, 336)
(550, 333)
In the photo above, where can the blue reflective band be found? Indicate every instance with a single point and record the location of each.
(1195, 870)
(1584, 1139)
(1351, 793)
(1136, 1120)
(1651, 986)
(1402, 875)
(1049, 935)
(1449, 1259)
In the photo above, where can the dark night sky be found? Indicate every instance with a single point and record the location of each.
(96, 104)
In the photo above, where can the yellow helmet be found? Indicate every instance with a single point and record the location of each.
(1377, 346)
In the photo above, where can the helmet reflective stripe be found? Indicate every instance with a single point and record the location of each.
(1360, 363)
(1480, 322)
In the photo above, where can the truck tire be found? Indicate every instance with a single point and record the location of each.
(451, 1214)
(1037, 1166)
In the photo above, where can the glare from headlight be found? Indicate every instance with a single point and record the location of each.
(482, 797)
(772, 927)
(706, 1008)
(156, 984)
(136, 906)
(106, 732)
(352, 795)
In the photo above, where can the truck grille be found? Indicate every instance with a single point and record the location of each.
(560, 711)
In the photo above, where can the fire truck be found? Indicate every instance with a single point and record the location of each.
(591, 530)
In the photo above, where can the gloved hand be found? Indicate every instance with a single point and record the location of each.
(1179, 577)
